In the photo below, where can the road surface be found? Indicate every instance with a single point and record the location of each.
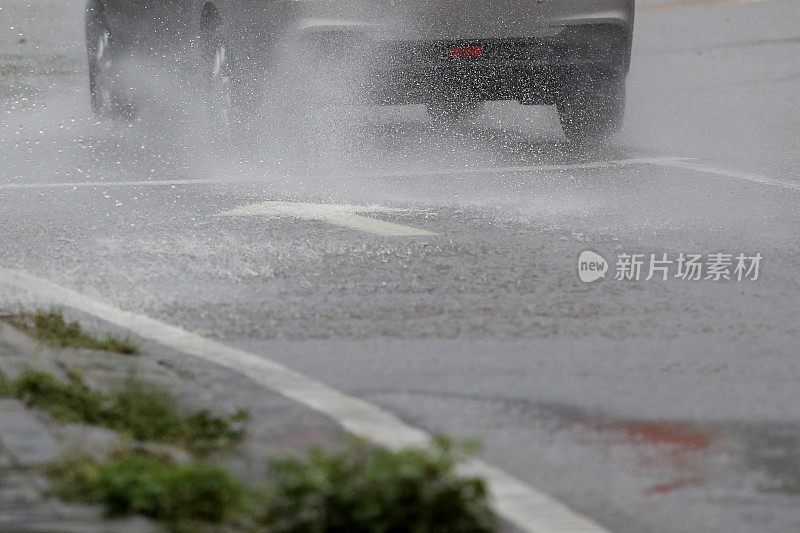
(433, 272)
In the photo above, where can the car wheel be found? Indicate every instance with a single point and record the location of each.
(105, 99)
(233, 86)
(217, 81)
(592, 106)
(98, 82)
(97, 44)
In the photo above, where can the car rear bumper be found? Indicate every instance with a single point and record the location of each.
(434, 20)
(529, 70)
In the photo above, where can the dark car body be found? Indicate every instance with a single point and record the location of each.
(412, 51)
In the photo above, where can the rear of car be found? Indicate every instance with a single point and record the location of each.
(452, 55)
(448, 54)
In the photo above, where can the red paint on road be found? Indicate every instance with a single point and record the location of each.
(646, 432)
(666, 488)
(467, 52)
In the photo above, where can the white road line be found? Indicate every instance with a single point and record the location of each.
(338, 215)
(613, 163)
(387, 174)
(698, 3)
(684, 163)
(523, 506)
(77, 184)
(707, 169)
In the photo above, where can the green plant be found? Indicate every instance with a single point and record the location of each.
(146, 413)
(70, 401)
(52, 328)
(154, 488)
(364, 489)
(207, 432)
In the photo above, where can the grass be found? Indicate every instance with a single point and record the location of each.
(51, 327)
(366, 489)
(175, 494)
(145, 413)
(361, 489)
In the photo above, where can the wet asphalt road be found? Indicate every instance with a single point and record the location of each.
(650, 406)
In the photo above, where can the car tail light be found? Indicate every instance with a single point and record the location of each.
(467, 52)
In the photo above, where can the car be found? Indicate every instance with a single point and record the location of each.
(449, 55)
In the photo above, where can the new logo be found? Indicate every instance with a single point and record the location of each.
(591, 266)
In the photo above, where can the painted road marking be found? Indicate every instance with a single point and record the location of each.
(388, 174)
(79, 184)
(613, 163)
(346, 216)
(515, 501)
(697, 3)
(707, 169)
(684, 163)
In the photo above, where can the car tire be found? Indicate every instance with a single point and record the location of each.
(217, 82)
(591, 107)
(105, 98)
(233, 88)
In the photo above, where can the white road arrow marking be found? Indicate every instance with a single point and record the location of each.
(346, 216)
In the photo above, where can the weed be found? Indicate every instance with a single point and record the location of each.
(208, 433)
(146, 413)
(50, 327)
(362, 489)
(366, 489)
(155, 488)
(70, 401)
